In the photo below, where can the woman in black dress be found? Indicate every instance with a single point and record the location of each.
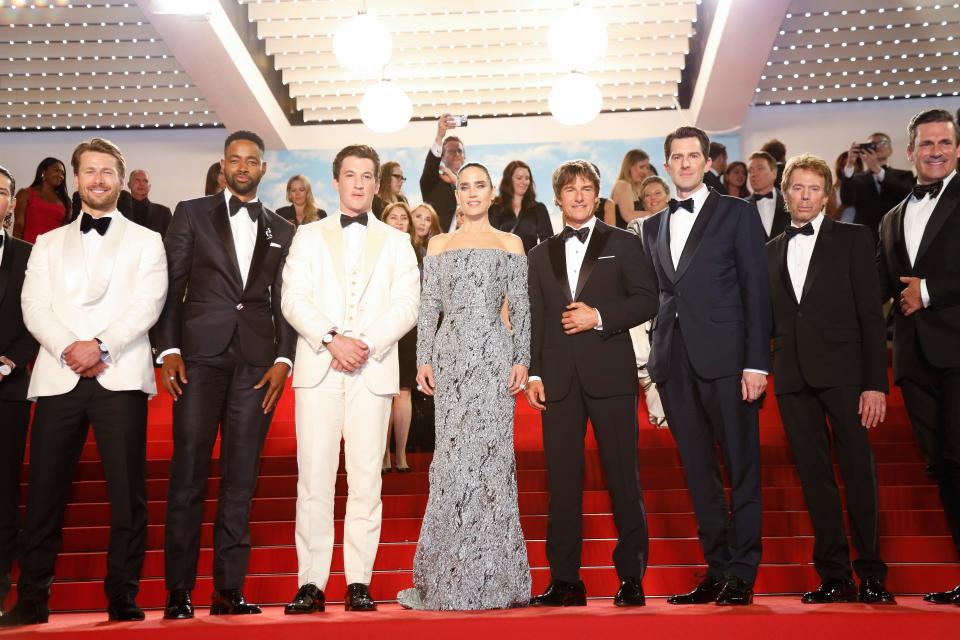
(303, 208)
(516, 210)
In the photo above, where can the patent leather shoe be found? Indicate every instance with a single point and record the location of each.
(124, 609)
(630, 594)
(179, 605)
(230, 602)
(831, 591)
(735, 593)
(562, 594)
(309, 599)
(944, 597)
(872, 591)
(359, 598)
(704, 593)
(25, 613)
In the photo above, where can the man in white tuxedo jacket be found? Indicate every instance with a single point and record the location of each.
(351, 290)
(91, 292)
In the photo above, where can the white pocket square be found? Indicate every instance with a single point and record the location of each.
(274, 244)
(605, 257)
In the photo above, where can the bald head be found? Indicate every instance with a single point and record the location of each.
(139, 184)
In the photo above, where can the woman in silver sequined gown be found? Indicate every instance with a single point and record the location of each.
(472, 553)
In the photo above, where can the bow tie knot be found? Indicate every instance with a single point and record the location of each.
(933, 189)
(346, 221)
(805, 230)
(253, 208)
(681, 204)
(757, 197)
(100, 225)
(580, 234)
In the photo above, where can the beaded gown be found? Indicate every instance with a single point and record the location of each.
(471, 553)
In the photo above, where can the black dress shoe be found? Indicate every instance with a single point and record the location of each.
(735, 593)
(832, 590)
(944, 597)
(124, 609)
(230, 602)
(358, 598)
(872, 591)
(24, 613)
(630, 594)
(179, 606)
(309, 599)
(562, 594)
(705, 592)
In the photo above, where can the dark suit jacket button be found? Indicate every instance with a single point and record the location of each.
(799, 314)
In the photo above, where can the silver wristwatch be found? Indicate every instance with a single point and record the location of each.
(5, 369)
(328, 337)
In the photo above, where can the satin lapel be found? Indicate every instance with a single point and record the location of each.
(376, 236)
(75, 275)
(103, 267)
(946, 205)
(663, 246)
(821, 249)
(333, 237)
(558, 261)
(900, 239)
(6, 265)
(782, 244)
(696, 233)
(220, 218)
(598, 239)
(260, 246)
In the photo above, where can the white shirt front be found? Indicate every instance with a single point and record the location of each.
(575, 251)
(766, 207)
(92, 241)
(3, 244)
(915, 220)
(244, 231)
(681, 223)
(354, 237)
(799, 251)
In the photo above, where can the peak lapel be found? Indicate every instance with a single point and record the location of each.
(663, 246)
(260, 246)
(782, 244)
(820, 250)
(697, 233)
(103, 268)
(6, 265)
(946, 205)
(220, 218)
(598, 239)
(333, 238)
(558, 261)
(376, 237)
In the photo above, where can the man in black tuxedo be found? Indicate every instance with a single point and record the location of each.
(226, 351)
(762, 173)
(17, 349)
(145, 213)
(718, 165)
(830, 359)
(877, 189)
(777, 151)
(710, 353)
(437, 182)
(588, 285)
(919, 264)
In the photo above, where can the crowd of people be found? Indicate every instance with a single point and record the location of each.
(472, 299)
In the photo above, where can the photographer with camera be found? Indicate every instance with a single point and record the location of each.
(439, 177)
(878, 188)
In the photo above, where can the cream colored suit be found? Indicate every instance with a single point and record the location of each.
(118, 302)
(377, 302)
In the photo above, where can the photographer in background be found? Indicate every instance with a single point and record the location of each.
(438, 181)
(878, 188)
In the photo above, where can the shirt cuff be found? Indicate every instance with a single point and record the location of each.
(924, 293)
(760, 371)
(286, 361)
(166, 353)
(599, 326)
(880, 175)
(847, 171)
(534, 379)
(436, 149)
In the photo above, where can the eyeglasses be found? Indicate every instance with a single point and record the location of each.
(398, 177)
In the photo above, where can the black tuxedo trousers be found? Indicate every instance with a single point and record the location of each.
(13, 441)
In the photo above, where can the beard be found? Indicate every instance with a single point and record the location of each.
(105, 202)
(241, 189)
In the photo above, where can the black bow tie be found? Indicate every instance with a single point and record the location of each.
(933, 189)
(757, 197)
(805, 230)
(346, 221)
(580, 234)
(100, 225)
(253, 208)
(677, 204)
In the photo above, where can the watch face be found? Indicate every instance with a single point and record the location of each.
(5, 370)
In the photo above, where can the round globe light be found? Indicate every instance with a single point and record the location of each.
(577, 37)
(362, 44)
(385, 108)
(575, 99)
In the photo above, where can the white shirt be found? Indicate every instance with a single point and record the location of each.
(915, 220)
(3, 244)
(354, 237)
(92, 241)
(681, 222)
(767, 208)
(799, 250)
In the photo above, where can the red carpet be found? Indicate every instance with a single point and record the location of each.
(916, 539)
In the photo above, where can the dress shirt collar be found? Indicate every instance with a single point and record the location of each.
(226, 197)
(589, 224)
(816, 223)
(699, 197)
(946, 183)
(340, 212)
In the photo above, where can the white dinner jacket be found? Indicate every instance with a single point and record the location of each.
(314, 299)
(118, 304)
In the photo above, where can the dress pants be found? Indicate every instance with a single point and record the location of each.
(804, 416)
(614, 422)
(339, 407)
(218, 397)
(932, 398)
(13, 441)
(119, 420)
(702, 413)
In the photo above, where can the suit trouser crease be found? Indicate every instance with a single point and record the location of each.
(13, 440)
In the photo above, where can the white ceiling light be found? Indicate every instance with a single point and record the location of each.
(362, 44)
(575, 99)
(385, 108)
(577, 37)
